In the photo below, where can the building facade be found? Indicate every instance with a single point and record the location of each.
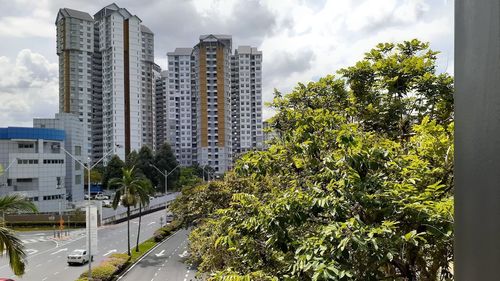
(120, 45)
(246, 99)
(180, 121)
(34, 166)
(73, 143)
(106, 65)
(75, 46)
(212, 87)
(148, 84)
(161, 107)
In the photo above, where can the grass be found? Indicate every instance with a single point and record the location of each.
(143, 248)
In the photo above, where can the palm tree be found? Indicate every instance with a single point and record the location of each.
(9, 242)
(143, 197)
(130, 190)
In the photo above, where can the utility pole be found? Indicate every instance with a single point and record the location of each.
(165, 174)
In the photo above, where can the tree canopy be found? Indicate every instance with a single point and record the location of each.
(358, 185)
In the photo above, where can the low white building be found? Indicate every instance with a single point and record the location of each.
(34, 166)
(74, 144)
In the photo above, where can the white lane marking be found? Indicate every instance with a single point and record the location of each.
(57, 272)
(45, 278)
(31, 251)
(60, 250)
(109, 252)
(151, 223)
(160, 253)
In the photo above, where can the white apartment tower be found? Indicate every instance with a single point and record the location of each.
(211, 77)
(75, 46)
(161, 107)
(180, 122)
(148, 85)
(120, 44)
(246, 99)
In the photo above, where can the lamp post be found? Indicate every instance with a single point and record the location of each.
(165, 174)
(89, 169)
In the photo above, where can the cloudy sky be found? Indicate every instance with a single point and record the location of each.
(301, 40)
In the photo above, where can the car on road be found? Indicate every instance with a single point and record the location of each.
(106, 203)
(100, 196)
(78, 256)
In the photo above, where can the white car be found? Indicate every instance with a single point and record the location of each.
(78, 256)
(100, 196)
(106, 203)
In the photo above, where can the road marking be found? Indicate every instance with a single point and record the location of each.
(57, 272)
(45, 278)
(109, 252)
(147, 253)
(151, 223)
(31, 251)
(160, 253)
(60, 250)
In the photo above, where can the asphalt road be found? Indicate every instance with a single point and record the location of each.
(165, 263)
(47, 258)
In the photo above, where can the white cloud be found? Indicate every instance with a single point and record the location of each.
(28, 88)
(301, 40)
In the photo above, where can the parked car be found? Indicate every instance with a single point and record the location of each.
(78, 256)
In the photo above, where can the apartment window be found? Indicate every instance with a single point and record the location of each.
(58, 181)
(78, 179)
(78, 150)
(77, 166)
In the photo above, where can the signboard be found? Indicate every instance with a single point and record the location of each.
(91, 221)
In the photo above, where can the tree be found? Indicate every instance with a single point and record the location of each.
(10, 244)
(95, 176)
(130, 190)
(165, 160)
(131, 159)
(188, 176)
(144, 191)
(143, 163)
(112, 170)
(358, 184)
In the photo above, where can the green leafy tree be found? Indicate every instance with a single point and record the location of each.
(165, 160)
(131, 159)
(112, 170)
(145, 158)
(358, 185)
(188, 176)
(131, 190)
(10, 244)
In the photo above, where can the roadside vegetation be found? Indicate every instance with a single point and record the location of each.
(356, 185)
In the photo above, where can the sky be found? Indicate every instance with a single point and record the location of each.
(301, 40)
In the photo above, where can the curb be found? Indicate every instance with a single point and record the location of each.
(145, 255)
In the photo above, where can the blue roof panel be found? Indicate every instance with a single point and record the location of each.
(31, 133)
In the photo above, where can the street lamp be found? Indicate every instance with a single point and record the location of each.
(89, 168)
(208, 173)
(165, 175)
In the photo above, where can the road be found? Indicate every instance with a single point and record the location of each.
(47, 258)
(165, 263)
(109, 212)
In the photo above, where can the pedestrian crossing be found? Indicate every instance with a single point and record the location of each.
(35, 240)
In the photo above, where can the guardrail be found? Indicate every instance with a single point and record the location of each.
(135, 213)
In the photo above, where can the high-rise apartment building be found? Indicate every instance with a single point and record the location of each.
(75, 46)
(161, 107)
(148, 85)
(120, 45)
(246, 99)
(212, 86)
(180, 122)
